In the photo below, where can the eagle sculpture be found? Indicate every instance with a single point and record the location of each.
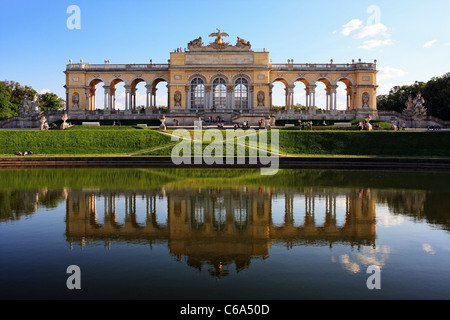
(219, 36)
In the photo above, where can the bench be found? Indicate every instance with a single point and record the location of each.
(343, 124)
(142, 125)
(93, 124)
(289, 125)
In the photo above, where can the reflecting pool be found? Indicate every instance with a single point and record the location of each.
(171, 234)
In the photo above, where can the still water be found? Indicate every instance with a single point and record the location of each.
(169, 234)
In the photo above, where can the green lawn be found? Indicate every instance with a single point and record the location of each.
(149, 142)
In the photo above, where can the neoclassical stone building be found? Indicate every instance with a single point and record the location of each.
(220, 77)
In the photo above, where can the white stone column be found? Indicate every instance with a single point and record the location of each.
(290, 97)
(154, 98)
(148, 97)
(312, 94)
(113, 99)
(127, 97)
(333, 97)
(328, 95)
(107, 96)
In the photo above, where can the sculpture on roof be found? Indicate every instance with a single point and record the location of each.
(219, 36)
(219, 43)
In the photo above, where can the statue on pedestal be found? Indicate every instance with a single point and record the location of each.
(64, 118)
(415, 107)
(163, 124)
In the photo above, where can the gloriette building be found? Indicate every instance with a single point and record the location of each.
(224, 78)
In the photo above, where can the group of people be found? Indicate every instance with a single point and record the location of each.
(215, 120)
(26, 153)
(305, 125)
(244, 125)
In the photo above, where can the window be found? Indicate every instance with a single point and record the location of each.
(220, 93)
(241, 93)
(197, 94)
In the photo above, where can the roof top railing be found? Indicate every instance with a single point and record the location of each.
(323, 66)
(115, 67)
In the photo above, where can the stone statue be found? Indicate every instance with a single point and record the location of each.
(260, 99)
(163, 123)
(365, 99)
(75, 100)
(177, 98)
(44, 125)
(415, 107)
(419, 108)
(64, 118)
(196, 43)
(35, 104)
(242, 43)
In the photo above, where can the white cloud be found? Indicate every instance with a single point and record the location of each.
(372, 31)
(334, 31)
(386, 73)
(370, 44)
(351, 26)
(429, 43)
(43, 91)
(428, 248)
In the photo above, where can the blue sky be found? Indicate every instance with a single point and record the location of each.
(409, 39)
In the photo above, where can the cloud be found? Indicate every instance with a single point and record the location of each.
(372, 31)
(351, 26)
(370, 44)
(386, 73)
(428, 248)
(43, 91)
(429, 43)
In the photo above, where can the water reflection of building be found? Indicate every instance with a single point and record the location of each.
(221, 226)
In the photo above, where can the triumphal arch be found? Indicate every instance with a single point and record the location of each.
(222, 77)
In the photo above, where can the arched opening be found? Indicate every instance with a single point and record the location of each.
(344, 99)
(219, 93)
(160, 94)
(138, 94)
(300, 96)
(117, 93)
(95, 96)
(279, 97)
(197, 94)
(323, 94)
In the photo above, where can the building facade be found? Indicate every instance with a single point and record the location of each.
(220, 77)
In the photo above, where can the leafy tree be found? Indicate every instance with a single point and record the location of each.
(50, 101)
(436, 93)
(12, 95)
(5, 101)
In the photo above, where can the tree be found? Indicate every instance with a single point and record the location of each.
(6, 106)
(12, 95)
(436, 93)
(50, 101)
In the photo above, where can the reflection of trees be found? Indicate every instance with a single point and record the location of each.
(419, 205)
(15, 204)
